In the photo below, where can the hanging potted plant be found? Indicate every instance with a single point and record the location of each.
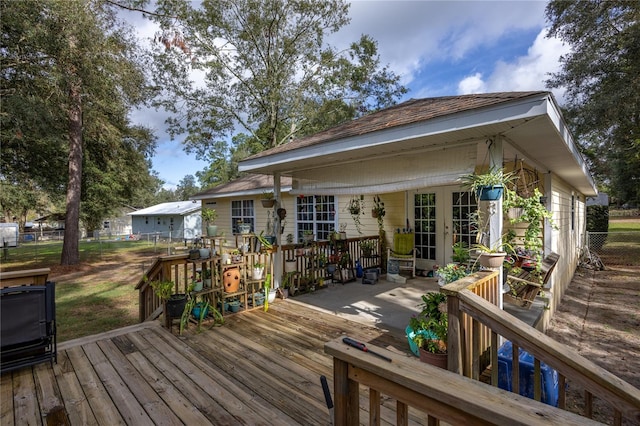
(488, 186)
(356, 208)
(267, 200)
(209, 217)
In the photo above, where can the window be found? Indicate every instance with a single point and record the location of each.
(316, 213)
(464, 228)
(242, 213)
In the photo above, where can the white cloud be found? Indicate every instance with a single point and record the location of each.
(525, 73)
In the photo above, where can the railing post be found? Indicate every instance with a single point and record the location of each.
(454, 335)
(346, 407)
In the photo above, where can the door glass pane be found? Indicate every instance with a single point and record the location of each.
(463, 205)
(425, 217)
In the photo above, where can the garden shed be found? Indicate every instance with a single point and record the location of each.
(413, 154)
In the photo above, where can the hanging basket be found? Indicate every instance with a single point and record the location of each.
(490, 193)
(268, 202)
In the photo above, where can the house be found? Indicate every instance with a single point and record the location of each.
(178, 219)
(413, 154)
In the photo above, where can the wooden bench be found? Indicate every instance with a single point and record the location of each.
(525, 286)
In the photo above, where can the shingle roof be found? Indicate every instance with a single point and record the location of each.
(409, 112)
(250, 182)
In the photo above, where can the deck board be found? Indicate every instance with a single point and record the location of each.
(260, 368)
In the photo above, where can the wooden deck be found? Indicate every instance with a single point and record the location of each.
(259, 368)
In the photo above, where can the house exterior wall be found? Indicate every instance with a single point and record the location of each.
(188, 226)
(569, 215)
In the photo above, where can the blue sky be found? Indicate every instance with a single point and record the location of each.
(439, 48)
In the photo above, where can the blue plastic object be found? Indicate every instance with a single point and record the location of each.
(411, 334)
(359, 271)
(549, 376)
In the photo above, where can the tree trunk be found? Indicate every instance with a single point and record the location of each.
(70, 249)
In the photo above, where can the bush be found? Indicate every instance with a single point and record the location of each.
(597, 221)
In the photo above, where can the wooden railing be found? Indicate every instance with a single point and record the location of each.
(476, 328)
(323, 247)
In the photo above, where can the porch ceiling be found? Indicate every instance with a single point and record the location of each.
(531, 125)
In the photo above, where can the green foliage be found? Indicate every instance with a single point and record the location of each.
(208, 215)
(460, 252)
(600, 77)
(452, 272)
(533, 213)
(598, 218)
(163, 289)
(277, 84)
(356, 209)
(431, 324)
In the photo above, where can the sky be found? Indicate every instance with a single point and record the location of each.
(438, 48)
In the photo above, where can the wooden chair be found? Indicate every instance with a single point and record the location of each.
(403, 253)
(525, 286)
(28, 326)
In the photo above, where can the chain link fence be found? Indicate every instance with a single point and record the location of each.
(615, 248)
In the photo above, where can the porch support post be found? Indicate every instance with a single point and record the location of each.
(496, 155)
(277, 255)
(549, 237)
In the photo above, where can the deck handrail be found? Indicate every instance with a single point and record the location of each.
(24, 277)
(441, 394)
(470, 350)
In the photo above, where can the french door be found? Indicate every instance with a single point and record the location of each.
(442, 218)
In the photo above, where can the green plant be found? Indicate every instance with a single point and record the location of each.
(431, 324)
(209, 216)
(367, 247)
(494, 177)
(258, 265)
(460, 252)
(452, 272)
(378, 210)
(267, 289)
(356, 209)
(267, 195)
(163, 289)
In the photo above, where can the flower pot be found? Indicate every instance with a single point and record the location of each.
(491, 260)
(212, 230)
(231, 280)
(268, 202)
(206, 282)
(257, 273)
(197, 286)
(204, 253)
(289, 266)
(438, 360)
(272, 295)
(226, 258)
(234, 306)
(490, 193)
(244, 228)
(175, 305)
(197, 310)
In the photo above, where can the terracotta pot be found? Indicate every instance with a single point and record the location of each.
(438, 360)
(268, 203)
(231, 280)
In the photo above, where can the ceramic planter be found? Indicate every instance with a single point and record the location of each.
(491, 260)
(272, 295)
(244, 228)
(197, 286)
(231, 280)
(257, 273)
(212, 230)
(490, 193)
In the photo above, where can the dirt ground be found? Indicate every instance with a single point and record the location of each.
(599, 316)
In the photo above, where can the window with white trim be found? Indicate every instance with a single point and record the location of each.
(242, 212)
(316, 213)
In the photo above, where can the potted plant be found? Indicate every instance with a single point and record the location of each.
(307, 236)
(209, 216)
(267, 199)
(356, 208)
(460, 252)
(492, 256)
(430, 329)
(206, 277)
(451, 272)
(488, 186)
(173, 304)
(378, 212)
(367, 247)
(258, 270)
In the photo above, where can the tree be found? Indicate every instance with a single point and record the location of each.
(601, 78)
(69, 78)
(266, 70)
(186, 188)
